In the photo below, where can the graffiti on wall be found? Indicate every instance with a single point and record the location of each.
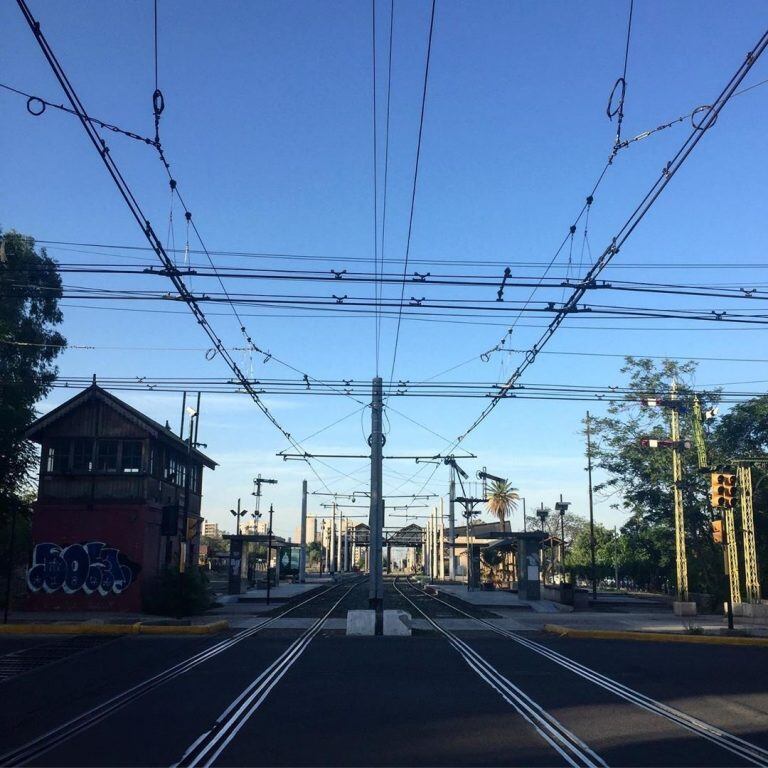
(90, 567)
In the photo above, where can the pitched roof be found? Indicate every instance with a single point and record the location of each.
(95, 392)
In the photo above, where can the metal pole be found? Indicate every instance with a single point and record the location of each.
(269, 549)
(591, 510)
(332, 561)
(376, 515)
(183, 414)
(197, 421)
(469, 551)
(238, 517)
(677, 477)
(441, 542)
(728, 574)
(9, 573)
(452, 526)
(303, 541)
(524, 523)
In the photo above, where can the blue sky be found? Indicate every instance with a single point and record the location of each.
(268, 127)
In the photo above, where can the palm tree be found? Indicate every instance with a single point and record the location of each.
(502, 500)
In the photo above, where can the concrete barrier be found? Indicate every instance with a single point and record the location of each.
(361, 622)
(655, 637)
(112, 629)
(397, 623)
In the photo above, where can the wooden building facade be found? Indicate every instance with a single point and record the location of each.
(119, 499)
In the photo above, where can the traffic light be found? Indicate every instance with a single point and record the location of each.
(717, 531)
(721, 491)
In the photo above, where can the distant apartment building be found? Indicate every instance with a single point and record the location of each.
(254, 528)
(311, 531)
(211, 530)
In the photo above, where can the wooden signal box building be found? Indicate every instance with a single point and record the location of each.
(118, 501)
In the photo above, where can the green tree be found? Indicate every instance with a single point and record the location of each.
(30, 289)
(641, 479)
(579, 556)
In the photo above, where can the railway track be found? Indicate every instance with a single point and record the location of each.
(423, 601)
(44, 743)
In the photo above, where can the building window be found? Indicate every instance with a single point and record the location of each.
(106, 456)
(82, 454)
(131, 459)
(58, 456)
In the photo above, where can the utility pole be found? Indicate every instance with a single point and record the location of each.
(452, 525)
(303, 540)
(332, 566)
(269, 552)
(751, 573)
(376, 514)
(677, 477)
(591, 510)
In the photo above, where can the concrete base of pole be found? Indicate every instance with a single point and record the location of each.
(684, 608)
(361, 622)
(397, 623)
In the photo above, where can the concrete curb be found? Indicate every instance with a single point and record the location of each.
(654, 637)
(112, 629)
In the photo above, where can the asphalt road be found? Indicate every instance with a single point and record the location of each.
(467, 698)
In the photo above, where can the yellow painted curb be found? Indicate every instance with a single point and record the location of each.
(112, 629)
(190, 629)
(655, 637)
(69, 629)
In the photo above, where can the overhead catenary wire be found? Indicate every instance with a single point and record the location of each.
(136, 211)
(414, 183)
(632, 222)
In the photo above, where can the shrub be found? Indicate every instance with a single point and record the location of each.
(178, 594)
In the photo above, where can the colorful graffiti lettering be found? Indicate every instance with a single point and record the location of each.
(91, 567)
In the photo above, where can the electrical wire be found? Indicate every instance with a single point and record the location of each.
(414, 184)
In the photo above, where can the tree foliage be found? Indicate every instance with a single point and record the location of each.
(30, 288)
(640, 478)
(501, 500)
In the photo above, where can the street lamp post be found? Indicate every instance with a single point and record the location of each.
(562, 507)
(238, 513)
(542, 513)
(269, 551)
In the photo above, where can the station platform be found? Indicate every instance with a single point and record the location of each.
(496, 599)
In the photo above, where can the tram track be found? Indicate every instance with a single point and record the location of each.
(746, 750)
(572, 749)
(44, 743)
(211, 743)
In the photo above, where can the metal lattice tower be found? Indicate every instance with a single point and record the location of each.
(698, 433)
(732, 555)
(751, 578)
(677, 476)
